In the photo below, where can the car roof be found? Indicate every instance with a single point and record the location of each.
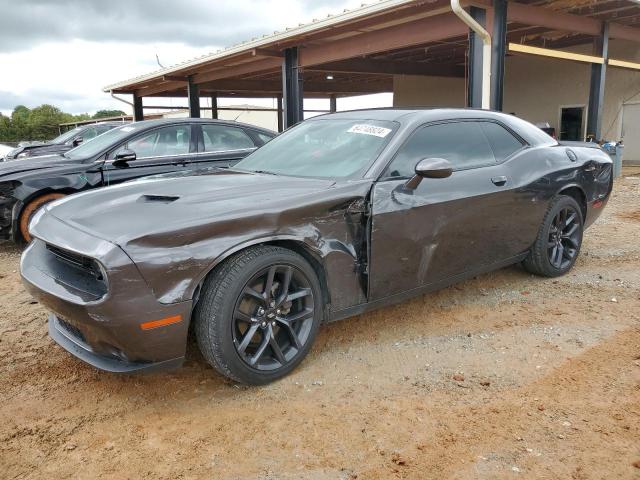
(173, 121)
(413, 117)
(114, 123)
(404, 114)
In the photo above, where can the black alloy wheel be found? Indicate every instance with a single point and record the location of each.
(564, 238)
(258, 314)
(559, 239)
(273, 317)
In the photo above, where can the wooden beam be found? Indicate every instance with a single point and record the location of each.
(547, 52)
(418, 32)
(568, 22)
(266, 52)
(623, 64)
(174, 78)
(159, 88)
(622, 32)
(261, 65)
(232, 85)
(384, 67)
(543, 17)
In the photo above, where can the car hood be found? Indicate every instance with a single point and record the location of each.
(46, 149)
(11, 167)
(176, 208)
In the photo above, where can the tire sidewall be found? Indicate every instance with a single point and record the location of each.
(224, 321)
(30, 210)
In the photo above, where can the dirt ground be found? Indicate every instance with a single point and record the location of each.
(503, 376)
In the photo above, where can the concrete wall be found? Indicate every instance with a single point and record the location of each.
(257, 117)
(428, 91)
(536, 87)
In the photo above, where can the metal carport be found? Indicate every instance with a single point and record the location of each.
(360, 51)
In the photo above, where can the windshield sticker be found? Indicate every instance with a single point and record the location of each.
(370, 130)
(127, 129)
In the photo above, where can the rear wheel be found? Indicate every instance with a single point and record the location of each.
(30, 210)
(258, 315)
(559, 239)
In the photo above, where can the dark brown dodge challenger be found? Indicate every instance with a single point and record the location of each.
(339, 215)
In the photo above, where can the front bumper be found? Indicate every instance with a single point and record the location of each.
(73, 342)
(103, 327)
(7, 214)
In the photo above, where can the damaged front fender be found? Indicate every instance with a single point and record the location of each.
(329, 225)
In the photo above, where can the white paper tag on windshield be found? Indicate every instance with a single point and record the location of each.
(370, 130)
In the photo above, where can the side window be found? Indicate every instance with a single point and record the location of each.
(502, 142)
(103, 128)
(264, 138)
(89, 134)
(163, 142)
(461, 143)
(218, 138)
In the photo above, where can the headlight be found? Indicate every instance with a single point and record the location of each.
(23, 155)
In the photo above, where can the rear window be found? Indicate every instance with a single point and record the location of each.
(502, 142)
(220, 138)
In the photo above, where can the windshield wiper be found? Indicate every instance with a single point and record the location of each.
(263, 171)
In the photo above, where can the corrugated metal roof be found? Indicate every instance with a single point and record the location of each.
(266, 40)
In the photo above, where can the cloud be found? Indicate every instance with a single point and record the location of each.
(198, 23)
(66, 101)
(64, 52)
(70, 75)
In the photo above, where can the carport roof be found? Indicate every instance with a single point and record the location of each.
(365, 47)
(277, 38)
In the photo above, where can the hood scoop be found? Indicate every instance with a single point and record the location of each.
(157, 199)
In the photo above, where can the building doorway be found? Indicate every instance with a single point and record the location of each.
(572, 123)
(631, 131)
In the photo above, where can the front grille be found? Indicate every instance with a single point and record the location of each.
(79, 261)
(78, 271)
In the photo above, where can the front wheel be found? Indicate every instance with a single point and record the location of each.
(30, 210)
(559, 239)
(258, 314)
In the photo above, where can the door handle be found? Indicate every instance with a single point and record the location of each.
(499, 181)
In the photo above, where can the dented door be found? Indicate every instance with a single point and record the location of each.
(443, 228)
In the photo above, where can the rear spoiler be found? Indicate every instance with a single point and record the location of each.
(566, 143)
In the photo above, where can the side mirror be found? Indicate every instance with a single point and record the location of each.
(77, 141)
(124, 156)
(430, 168)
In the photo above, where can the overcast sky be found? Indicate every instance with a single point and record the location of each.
(63, 52)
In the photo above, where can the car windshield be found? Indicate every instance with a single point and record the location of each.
(66, 136)
(101, 142)
(326, 148)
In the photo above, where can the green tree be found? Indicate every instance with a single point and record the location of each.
(41, 123)
(108, 113)
(6, 134)
(20, 129)
(81, 117)
(44, 121)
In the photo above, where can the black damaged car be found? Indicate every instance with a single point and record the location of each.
(339, 215)
(62, 143)
(123, 153)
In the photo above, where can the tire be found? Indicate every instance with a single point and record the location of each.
(555, 251)
(30, 210)
(237, 318)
